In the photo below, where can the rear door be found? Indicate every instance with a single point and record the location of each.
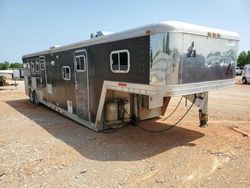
(81, 84)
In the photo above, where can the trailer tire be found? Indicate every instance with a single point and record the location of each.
(244, 80)
(30, 95)
(34, 98)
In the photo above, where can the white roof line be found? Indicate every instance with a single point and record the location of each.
(158, 27)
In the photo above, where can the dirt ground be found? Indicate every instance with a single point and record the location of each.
(41, 148)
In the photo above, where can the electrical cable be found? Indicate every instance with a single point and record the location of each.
(113, 130)
(173, 110)
(172, 126)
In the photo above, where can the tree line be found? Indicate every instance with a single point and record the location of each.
(6, 65)
(243, 59)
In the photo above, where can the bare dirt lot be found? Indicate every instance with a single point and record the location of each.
(41, 148)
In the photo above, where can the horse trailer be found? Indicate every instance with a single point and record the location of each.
(132, 75)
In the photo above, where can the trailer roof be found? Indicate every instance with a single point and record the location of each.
(160, 27)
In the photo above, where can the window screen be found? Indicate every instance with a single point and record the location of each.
(120, 61)
(66, 72)
(115, 63)
(123, 61)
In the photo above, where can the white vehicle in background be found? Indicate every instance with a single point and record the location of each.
(238, 71)
(246, 74)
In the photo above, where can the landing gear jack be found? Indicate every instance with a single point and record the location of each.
(200, 100)
(203, 119)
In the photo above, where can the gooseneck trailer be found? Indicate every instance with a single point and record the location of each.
(110, 79)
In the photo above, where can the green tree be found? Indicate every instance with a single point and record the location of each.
(242, 59)
(4, 65)
(16, 66)
(248, 57)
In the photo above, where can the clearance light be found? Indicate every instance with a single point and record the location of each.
(148, 32)
(122, 84)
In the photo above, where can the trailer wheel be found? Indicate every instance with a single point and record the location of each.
(30, 95)
(244, 80)
(34, 98)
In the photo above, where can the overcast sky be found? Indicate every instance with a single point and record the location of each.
(31, 25)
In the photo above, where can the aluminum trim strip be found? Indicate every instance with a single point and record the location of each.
(170, 90)
(90, 125)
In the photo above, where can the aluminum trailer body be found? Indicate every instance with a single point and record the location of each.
(148, 64)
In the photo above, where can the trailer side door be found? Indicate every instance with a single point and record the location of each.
(81, 84)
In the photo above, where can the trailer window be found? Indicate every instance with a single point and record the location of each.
(28, 65)
(42, 63)
(120, 61)
(66, 73)
(32, 66)
(115, 64)
(80, 63)
(37, 66)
